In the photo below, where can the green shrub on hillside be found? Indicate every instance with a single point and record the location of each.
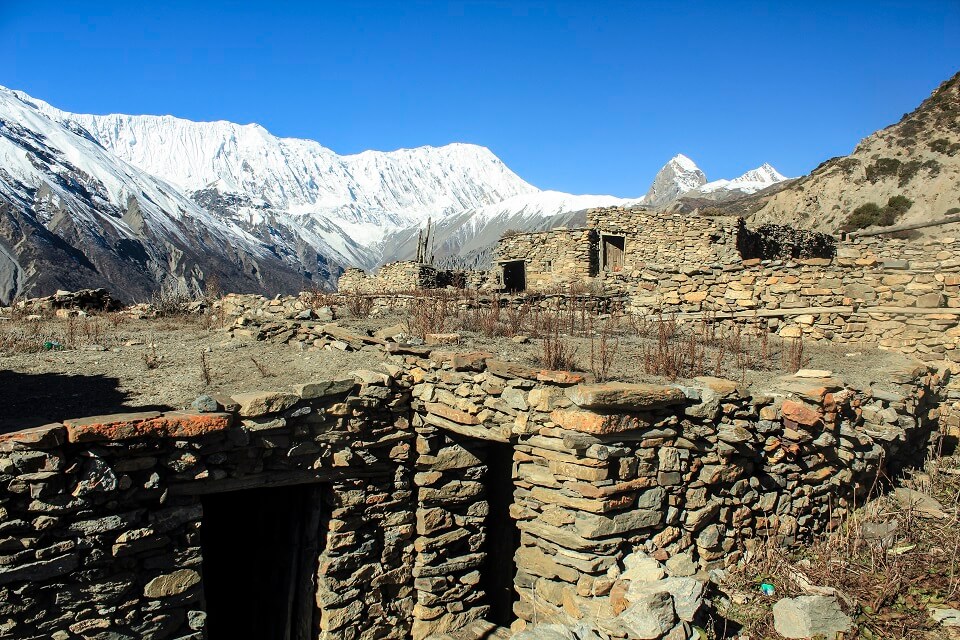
(882, 168)
(871, 214)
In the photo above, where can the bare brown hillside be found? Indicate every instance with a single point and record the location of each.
(917, 158)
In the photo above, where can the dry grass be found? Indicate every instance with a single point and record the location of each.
(359, 305)
(557, 352)
(887, 585)
(429, 314)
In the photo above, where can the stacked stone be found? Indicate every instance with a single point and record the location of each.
(668, 238)
(100, 517)
(690, 475)
(587, 491)
(394, 277)
(552, 259)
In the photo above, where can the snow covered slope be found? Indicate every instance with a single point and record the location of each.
(368, 193)
(72, 214)
(278, 211)
(752, 181)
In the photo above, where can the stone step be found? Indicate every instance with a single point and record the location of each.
(477, 630)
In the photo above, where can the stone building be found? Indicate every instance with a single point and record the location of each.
(618, 243)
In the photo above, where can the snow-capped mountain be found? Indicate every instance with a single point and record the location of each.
(366, 194)
(185, 200)
(677, 177)
(750, 182)
(72, 215)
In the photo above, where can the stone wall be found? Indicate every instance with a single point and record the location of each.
(668, 238)
(100, 517)
(691, 475)
(395, 277)
(552, 258)
(404, 276)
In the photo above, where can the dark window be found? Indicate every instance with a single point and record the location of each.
(514, 276)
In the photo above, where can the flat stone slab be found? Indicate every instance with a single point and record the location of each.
(460, 417)
(623, 395)
(596, 423)
(126, 426)
(324, 388)
(258, 403)
(813, 373)
(506, 369)
(46, 437)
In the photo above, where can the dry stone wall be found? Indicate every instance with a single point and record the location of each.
(100, 517)
(552, 258)
(668, 239)
(691, 475)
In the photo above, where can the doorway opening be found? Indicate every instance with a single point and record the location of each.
(502, 538)
(612, 251)
(514, 276)
(260, 552)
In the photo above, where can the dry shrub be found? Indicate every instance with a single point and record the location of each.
(603, 350)
(359, 305)
(557, 352)
(262, 368)
(791, 354)
(886, 583)
(316, 298)
(486, 320)
(205, 369)
(428, 314)
(674, 354)
(174, 299)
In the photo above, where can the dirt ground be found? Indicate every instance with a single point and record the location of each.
(57, 368)
(150, 364)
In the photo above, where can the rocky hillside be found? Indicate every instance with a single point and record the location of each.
(917, 158)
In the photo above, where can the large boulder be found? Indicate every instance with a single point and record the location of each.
(809, 616)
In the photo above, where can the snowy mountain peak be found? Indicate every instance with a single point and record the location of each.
(750, 182)
(684, 163)
(677, 177)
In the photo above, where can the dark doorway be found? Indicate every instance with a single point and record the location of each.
(514, 276)
(260, 549)
(613, 250)
(502, 536)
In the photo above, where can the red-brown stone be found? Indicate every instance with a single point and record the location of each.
(560, 377)
(125, 426)
(452, 414)
(800, 413)
(590, 422)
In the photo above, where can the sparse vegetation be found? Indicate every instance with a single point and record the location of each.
(262, 368)
(872, 214)
(887, 583)
(358, 304)
(882, 168)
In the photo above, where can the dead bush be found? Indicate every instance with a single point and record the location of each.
(603, 350)
(359, 305)
(557, 352)
(428, 314)
(174, 299)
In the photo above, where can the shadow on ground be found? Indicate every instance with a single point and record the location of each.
(30, 400)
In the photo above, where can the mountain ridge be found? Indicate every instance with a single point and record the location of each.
(295, 208)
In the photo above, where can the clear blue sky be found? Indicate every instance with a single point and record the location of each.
(587, 97)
